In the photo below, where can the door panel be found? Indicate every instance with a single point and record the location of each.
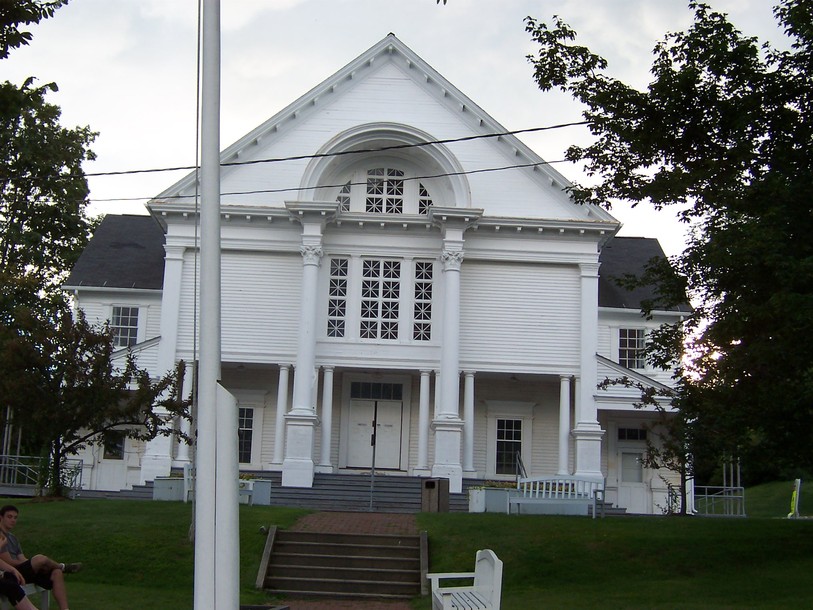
(388, 437)
(632, 491)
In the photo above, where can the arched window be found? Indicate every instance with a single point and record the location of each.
(384, 190)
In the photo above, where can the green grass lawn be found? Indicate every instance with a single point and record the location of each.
(137, 554)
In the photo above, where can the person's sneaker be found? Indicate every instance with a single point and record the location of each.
(72, 568)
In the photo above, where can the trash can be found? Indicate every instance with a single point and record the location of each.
(435, 496)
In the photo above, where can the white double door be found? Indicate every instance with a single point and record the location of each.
(383, 416)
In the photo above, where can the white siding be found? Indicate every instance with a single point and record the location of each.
(260, 306)
(519, 316)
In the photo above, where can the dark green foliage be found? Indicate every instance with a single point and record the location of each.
(16, 12)
(725, 130)
(64, 380)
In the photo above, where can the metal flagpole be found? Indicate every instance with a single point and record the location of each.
(216, 521)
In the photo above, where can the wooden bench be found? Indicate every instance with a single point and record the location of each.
(556, 495)
(483, 594)
(30, 590)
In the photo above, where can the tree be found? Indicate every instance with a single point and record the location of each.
(59, 376)
(65, 379)
(43, 190)
(15, 12)
(725, 129)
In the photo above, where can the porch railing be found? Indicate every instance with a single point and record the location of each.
(719, 501)
(31, 472)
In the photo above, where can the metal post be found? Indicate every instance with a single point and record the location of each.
(216, 540)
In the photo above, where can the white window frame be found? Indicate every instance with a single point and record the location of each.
(618, 347)
(408, 285)
(141, 322)
(416, 198)
(508, 409)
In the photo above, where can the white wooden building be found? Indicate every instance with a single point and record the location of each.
(373, 267)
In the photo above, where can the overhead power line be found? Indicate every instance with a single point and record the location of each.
(340, 153)
(329, 186)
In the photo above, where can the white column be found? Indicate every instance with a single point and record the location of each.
(564, 425)
(468, 424)
(422, 466)
(183, 451)
(157, 459)
(327, 420)
(170, 306)
(447, 424)
(282, 409)
(298, 466)
(587, 432)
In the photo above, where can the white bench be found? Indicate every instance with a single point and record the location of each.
(483, 594)
(31, 590)
(556, 495)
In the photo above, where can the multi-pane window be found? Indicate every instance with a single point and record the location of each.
(631, 434)
(337, 298)
(124, 324)
(631, 343)
(376, 391)
(424, 200)
(384, 309)
(422, 306)
(385, 191)
(114, 445)
(509, 443)
(344, 198)
(380, 294)
(245, 432)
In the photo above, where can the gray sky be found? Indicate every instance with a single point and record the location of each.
(127, 69)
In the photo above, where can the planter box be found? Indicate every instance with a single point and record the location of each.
(167, 489)
(489, 499)
(262, 491)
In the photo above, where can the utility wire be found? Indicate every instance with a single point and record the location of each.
(330, 186)
(340, 153)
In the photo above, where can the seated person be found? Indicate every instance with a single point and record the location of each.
(40, 569)
(10, 581)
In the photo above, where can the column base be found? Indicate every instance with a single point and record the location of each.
(448, 436)
(153, 466)
(298, 467)
(325, 468)
(297, 473)
(588, 450)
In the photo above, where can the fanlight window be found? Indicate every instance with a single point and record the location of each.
(384, 190)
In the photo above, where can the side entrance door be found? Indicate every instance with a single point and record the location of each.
(632, 489)
(386, 417)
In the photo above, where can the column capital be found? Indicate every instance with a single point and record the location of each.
(589, 269)
(451, 259)
(311, 254)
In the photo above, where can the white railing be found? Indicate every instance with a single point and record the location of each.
(29, 471)
(569, 489)
(719, 501)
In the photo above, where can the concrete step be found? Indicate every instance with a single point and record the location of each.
(344, 565)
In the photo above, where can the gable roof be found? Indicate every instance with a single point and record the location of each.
(126, 251)
(389, 51)
(623, 256)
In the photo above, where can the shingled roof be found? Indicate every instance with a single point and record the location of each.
(126, 251)
(623, 256)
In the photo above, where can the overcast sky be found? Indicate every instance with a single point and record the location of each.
(127, 69)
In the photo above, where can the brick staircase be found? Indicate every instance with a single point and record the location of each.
(340, 565)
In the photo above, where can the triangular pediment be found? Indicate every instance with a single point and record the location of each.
(389, 87)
